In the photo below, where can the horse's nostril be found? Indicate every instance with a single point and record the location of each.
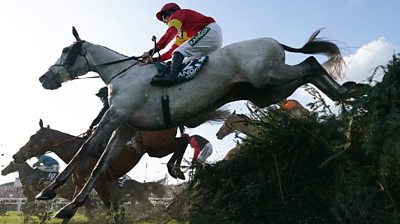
(42, 78)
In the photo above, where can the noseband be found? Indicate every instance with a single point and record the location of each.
(76, 50)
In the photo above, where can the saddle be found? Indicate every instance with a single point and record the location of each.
(187, 72)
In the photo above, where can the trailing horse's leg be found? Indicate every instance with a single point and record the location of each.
(174, 164)
(116, 144)
(170, 166)
(180, 151)
(103, 130)
(319, 77)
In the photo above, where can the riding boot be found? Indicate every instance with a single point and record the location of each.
(170, 79)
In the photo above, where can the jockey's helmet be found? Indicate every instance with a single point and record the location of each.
(103, 92)
(167, 9)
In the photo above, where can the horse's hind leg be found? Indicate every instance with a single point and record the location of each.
(174, 164)
(318, 76)
(115, 146)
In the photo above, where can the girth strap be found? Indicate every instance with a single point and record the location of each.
(166, 111)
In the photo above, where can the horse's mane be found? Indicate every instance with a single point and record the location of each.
(112, 50)
(244, 117)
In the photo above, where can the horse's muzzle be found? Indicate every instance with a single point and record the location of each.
(50, 81)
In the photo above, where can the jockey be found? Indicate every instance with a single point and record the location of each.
(293, 106)
(103, 95)
(202, 148)
(195, 35)
(49, 164)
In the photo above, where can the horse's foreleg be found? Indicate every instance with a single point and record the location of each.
(49, 191)
(102, 132)
(113, 149)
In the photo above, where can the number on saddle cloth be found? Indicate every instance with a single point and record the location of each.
(188, 70)
(51, 176)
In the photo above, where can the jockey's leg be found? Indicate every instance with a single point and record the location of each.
(170, 79)
(205, 152)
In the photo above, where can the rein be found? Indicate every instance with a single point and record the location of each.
(106, 64)
(115, 62)
(69, 139)
(77, 48)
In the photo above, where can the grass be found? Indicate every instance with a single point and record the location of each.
(13, 217)
(151, 216)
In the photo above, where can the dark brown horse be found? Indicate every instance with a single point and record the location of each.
(156, 144)
(33, 181)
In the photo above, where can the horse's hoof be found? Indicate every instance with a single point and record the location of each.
(172, 173)
(66, 212)
(46, 194)
(181, 175)
(349, 85)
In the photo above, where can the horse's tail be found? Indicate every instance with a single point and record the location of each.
(216, 116)
(314, 45)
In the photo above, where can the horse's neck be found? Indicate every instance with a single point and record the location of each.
(66, 146)
(242, 125)
(25, 170)
(98, 55)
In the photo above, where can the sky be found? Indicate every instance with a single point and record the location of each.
(33, 34)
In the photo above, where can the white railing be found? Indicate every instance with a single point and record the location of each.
(14, 201)
(54, 204)
(162, 201)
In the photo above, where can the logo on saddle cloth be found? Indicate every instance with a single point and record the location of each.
(188, 70)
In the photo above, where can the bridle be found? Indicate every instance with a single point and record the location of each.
(78, 50)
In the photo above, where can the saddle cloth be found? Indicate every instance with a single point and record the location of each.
(188, 70)
(51, 176)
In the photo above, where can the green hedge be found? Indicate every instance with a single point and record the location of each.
(316, 169)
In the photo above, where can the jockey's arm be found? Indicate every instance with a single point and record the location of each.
(166, 38)
(167, 55)
(40, 160)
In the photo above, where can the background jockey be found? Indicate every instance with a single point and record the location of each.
(195, 35)
(293, 106)
(49, 164)
(103, 95)
(202, 148)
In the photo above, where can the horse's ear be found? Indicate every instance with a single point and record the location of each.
(234, 112)
(48, 126)
(75, 33)
(41, 123)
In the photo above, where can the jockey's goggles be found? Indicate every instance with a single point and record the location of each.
(164, 16)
